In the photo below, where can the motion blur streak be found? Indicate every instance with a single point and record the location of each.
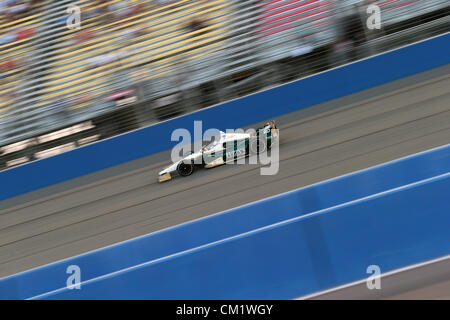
(354, 132)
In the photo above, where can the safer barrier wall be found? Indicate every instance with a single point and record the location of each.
(295, 257)
(264, 105)
(316, 197)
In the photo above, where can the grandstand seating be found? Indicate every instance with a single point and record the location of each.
(160, 37)
(101, 57)
(394, 11)
(46, 67)
(16, 52)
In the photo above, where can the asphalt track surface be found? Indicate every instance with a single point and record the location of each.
(351, 133)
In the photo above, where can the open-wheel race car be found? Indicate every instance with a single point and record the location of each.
(228, 147)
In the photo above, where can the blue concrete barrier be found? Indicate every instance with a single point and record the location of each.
(232, 222)
(264, 105)
(298, 256)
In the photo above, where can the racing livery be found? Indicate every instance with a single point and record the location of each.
(227, 148)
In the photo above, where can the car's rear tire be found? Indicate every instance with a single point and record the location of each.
(185, 169)
(257, 146)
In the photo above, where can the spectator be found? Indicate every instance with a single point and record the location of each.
(102, 5)
(7, 38)
(131, 35)
(60, 104)
(341, 51)
(16, 35)
(3, 7)
(139, 8)
(58, 110)
(84, 36)
(25, 33)
(352, 33)
(93, 12)
(195, 25)
(164, 2)
(121, 9)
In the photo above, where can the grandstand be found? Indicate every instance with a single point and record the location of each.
(132, 63)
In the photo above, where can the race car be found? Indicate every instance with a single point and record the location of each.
(227, 148)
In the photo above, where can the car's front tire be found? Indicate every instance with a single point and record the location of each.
(257, 146)
(185, 169)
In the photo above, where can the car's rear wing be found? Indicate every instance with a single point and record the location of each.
(268, 125)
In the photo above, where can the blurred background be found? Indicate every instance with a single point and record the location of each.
(132, 63)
